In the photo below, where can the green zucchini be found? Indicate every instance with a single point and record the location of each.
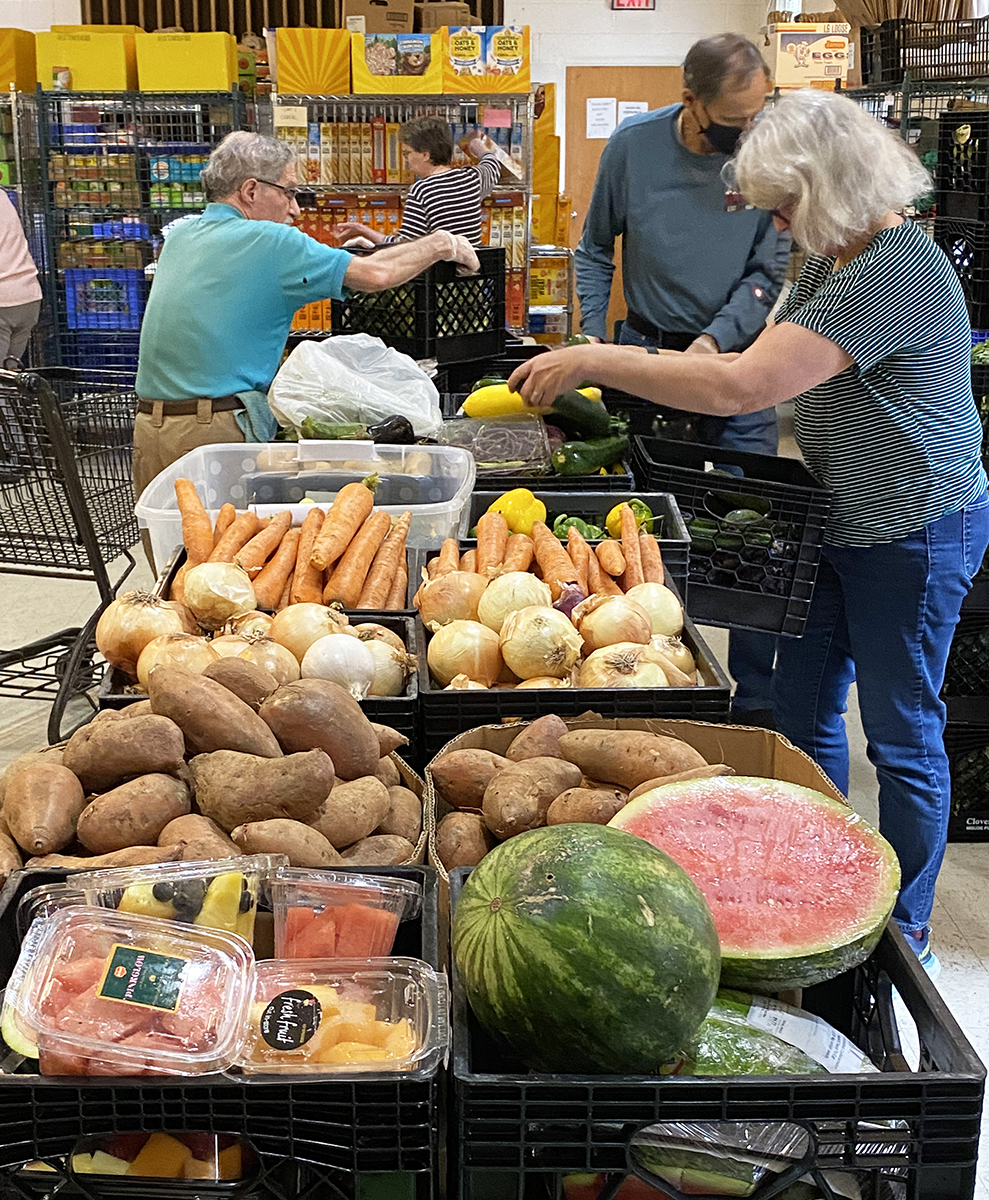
(585, 458)
(578, 417)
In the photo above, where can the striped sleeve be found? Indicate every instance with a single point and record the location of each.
(415, 218)
(488, 173)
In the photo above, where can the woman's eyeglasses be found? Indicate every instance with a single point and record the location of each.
(780, 216)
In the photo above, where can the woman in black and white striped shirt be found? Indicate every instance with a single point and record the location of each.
(874, 344)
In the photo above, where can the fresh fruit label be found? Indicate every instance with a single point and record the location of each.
(809, 1033)
(135, 975)
(291, 1019)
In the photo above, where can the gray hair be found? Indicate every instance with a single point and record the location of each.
(242, 156)
(833, 164)
(721, 64)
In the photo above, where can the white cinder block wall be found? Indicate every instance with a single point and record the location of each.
(39, 14)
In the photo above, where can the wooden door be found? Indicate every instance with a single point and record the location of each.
(657, 86)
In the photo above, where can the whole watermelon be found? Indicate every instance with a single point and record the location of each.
(588, 950)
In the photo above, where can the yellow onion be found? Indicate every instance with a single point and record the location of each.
(263, 651)
(460, 683)
(464, 648)
(539, 641)
(673, 649)
(452, 597)
(215, 592)
(507, 594)
(128, 623)
(662, 606)
(299, 625)
(543, 681)
(605, 620)
(624, 665)
(371, 631)
(391, 668)
(251, 622)
(187, 650)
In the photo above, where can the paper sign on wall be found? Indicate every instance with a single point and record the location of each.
(630, 108)
(601, 116)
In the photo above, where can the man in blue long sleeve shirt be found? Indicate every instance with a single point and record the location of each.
(701, 271)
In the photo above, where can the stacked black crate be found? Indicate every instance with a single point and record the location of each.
(961, 227)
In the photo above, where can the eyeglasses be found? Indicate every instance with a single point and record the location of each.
(290, 193)
(781, 216)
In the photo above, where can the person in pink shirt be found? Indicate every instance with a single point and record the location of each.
(20, 292)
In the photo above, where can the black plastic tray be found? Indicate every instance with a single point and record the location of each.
(967, 747)
(511, 1127)
(780, 601)
(313, 1137)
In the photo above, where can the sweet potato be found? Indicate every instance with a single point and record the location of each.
(518, 797)
(246, 680)
(239, 789)
(461, 776)
(133, 814)
(141, 709)
(10, 856)
(41, 806)
(381, 850)
(199, 831)
(388, 773)
(404, 815)
(132, 856)
(389, 740)
(52, 755)
(627, 757)
(210, 716)
(352, 811)
(585, 807)
(462, 840)
(314, 714)
(108, 752)
(540, 739)
(302, 845)
(711, 772)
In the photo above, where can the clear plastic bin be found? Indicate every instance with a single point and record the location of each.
(434, 482)
(309, 1017)
(331, 915)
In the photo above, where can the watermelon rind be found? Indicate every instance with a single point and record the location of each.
(780, 969)
(586, 949)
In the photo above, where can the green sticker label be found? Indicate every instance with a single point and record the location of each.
(134, 975)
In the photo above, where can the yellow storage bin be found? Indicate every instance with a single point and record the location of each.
(99, 62)
(17, 61)
(96, 29)
(313, 62)
(186, 62)
(480, 59)
(386, 63)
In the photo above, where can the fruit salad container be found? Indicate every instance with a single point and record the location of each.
(315, 1018)
(116, 993)
(117, 1158)
(331, 914)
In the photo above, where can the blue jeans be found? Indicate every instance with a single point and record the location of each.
(750, 655)
(886, 614)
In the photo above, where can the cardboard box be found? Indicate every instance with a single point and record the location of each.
(396, 62)
(17, 60)
(486, 58)
(313, 62)
(186, 62)
(99, 62)
(439, 13)
(804, 54)
(378, 16)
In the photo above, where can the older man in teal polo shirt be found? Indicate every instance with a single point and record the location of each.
(225, 290)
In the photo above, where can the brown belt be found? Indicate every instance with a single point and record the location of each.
(190, 408)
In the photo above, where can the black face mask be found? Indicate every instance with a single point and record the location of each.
(724, 138)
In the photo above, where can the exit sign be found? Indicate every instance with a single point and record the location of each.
(638, 5)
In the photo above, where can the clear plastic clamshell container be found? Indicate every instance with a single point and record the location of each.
(312, 1017)
(109, 993)
(330, 914)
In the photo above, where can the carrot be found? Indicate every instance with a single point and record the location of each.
(579, 552)
(492, 537)
(554, 562)
(652, 559)
(398, 596)
(351, 571)
(284, 600)
(610, 557)
(630, 548)
(270, 583)
(599, 582)
(469, 560)
(197, 528)
(518, 552)
(224, 519)
(237, 535)
(432, 567)
(307, 584)
(252, 557)
(348, 512)
(449, 558)
(381, 576)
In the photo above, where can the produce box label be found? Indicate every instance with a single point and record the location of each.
(809, 1033)
(291, 1019)
(135, 975)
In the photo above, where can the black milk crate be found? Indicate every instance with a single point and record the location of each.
(962, 176)
(439, 314)
(444, 714)
(593, 507)
(967, 747)
(980, 390)
(312, 1137)
(461, 377)
(928, 50)
(966, 679)
(752, 585)
(966, 244)
(513, 1131)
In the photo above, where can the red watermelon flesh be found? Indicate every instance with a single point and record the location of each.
(799, 885)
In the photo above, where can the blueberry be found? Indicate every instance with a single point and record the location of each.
(163, 892)
(246, 900)
(189, 894)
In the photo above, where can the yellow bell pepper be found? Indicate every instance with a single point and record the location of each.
(643, 517)
(520, 508)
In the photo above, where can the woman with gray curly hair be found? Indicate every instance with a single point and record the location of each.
(873, 343)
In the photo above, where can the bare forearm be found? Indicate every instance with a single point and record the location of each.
(701, 385)
(397, 263)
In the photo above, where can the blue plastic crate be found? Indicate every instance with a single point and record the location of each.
(104, 298)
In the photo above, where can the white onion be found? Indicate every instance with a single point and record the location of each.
(543, 681)
(624, 665)
(452, 597)
(673, 649)
(252, 622)
(370, 631)
(187, 650)
(507, 594)
(464, 648)
(539, 641)
(343, 660)
(299, 625)
(128, 623)
(605, 620)
(215, 592)
(391, 668)
(661, 605)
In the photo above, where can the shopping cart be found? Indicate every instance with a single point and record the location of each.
(66, 511)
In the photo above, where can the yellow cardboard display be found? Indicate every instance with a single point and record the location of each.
(17, 60)
(364, 83)
(313, 62)
(186, 62)
(96, 29)
(469, 50)
(99, 62)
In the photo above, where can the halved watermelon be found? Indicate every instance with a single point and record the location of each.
(800, 886)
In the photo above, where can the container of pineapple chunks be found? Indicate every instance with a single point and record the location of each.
(357, 1016)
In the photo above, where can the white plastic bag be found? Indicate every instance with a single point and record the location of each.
(355, 378)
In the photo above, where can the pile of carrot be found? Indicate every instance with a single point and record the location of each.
(610, 568)
(351, 554)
